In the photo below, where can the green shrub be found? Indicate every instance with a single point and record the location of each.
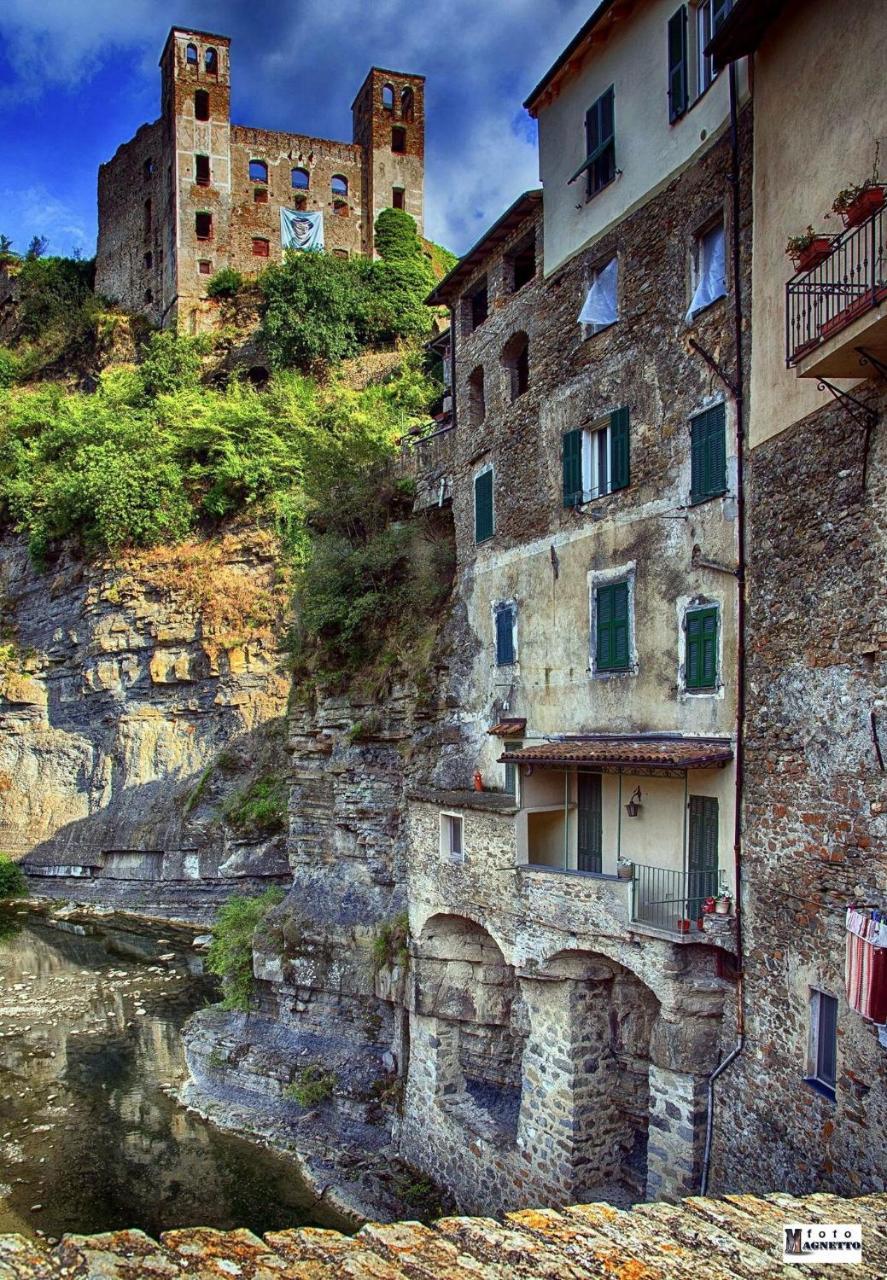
(230, 955)
(12, 879)
(391, 943)
(226, 283)
(312, 1085)
(170, 363)
(8, 368)
(260, 808)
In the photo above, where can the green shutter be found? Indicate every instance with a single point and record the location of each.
(701, 664)
(572, 461)
(504, 636)
(611, 608)
(708, 454)
(483, 506)
(702, 853)
(719, 11)
(677, 64)
(619, 450)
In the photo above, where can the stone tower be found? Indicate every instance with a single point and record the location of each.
(389, 126)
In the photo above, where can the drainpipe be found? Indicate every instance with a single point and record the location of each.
(740, 621)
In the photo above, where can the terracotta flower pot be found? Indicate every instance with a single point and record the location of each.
(817, 251)
(722, 906)
(865, 204)
(683, 926)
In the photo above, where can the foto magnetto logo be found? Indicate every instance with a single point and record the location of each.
(822, 1242)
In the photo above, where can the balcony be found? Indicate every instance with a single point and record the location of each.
(836, 313)
(674, 903)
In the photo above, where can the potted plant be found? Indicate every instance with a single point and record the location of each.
(624, 868)
(683, 926)
(808, 249)
(723, 904)
(708, 905)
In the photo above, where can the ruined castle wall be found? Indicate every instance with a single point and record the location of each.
(136, 248)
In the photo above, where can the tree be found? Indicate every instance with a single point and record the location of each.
(5, 246)
(37, 248)
(397, 237)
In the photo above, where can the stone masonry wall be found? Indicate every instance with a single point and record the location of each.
(816, 800)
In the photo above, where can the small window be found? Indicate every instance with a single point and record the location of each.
(600, 144)
(146, 220)
(484, 514)
(261, 247)
(708, 454)
(516, 359)
(701, 659)
(398, 140)
(451, 845)
(709, 15)
(211, 62)
(596, 459)
(300, 202)
(339, 185)
(148, 168)
(407, 105)
(149, 260)
(822, 1063)
(476, 307)
(601, 306)
(477, 405)
(506, 624)
(388, 97)
(201, 104)
(522, 263)
(260, 195)
(511, 774)
(340, 253)
(340, 208)
(708, 270)
(301, 179)
(258, 171)
(149, 295)
(205, 267)
(201, 170)
(203, 226)
(612, 627)
(397, 197)
(191, 55)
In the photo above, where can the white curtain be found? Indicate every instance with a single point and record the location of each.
(600, 307)
(712, 282)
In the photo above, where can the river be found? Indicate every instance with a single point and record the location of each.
(91, 1135)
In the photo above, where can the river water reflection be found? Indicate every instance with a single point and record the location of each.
(91, 1136)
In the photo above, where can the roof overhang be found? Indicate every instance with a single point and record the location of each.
(453, 282)
(742, 30)
(574, 51)
(625, 753)
(513, 728)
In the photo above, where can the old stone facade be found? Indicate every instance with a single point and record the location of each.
(194, 192)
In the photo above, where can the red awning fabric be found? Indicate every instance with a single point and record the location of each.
(652, 753)
(508, 728)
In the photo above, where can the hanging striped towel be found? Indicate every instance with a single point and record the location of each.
(865, 969)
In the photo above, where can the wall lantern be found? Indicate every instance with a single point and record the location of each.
(633, 807)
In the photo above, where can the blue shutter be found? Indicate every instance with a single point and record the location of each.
(483, 507)
(719, 11)
(572, 466)
(677, 64)
(505, 635)
(619, 450)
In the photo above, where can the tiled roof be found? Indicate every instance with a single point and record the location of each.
(509, 728)
(662, 753)
(732, 1239)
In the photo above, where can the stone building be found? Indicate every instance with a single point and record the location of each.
(569, 992)
(194, 192)
(804, 1105)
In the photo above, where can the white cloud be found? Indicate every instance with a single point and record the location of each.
(41, 211)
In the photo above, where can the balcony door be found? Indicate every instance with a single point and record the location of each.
(702, 853)
(590, 826)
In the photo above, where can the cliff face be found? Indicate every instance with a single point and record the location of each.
(139, 701)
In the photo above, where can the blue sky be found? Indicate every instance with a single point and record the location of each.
(77, 78)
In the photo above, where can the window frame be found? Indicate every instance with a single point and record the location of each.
(450, 850)
(189, 49)
(511, 785)
(260, 178)
(478, 528)
(700, 235)
(615, 427)
(816, 1076)
(198, 180)
(702, 463)
(203, 213)
(594, 274)
(613, 589)
(600, 145)
(700, 612)
(294, 186)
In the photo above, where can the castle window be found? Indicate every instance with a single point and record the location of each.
(149, 296)
(407, 105)
(397, 197)
(211, 62)
(261, 247)
(388, 97)
(149, 260)
(201, 170)
(339, 185)
(340, 208)
(191, 55)
(522, 262)
(477, 408)
(146, 220)
(260, 195)
(204, 266)
(300, 179)
(201, 104)
(340, 253)
(148, 168)
(203, 226)
(475, 308)
(300, 202)
(398, 140)
(516, 359)
(258, 171)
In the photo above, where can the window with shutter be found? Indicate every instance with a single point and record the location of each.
(611, 614)
(708, 454)
(596, 460)
(511, 778)
(823, 1052)
(572, 466)
(505, 618)
(702, 853)
(701, 660)
(600, 142)
(483, 506)
(677, 65)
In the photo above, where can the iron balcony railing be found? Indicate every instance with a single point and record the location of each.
(661, 898)
(849, 282)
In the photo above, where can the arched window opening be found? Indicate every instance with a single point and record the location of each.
(339, 185)
(477, 405)
(398, 140)
(407, 105)
(191, 55)
(258, 171)
(301, 179)
(211, 62)
(201, 104)
(516, 361)
(388, 97)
